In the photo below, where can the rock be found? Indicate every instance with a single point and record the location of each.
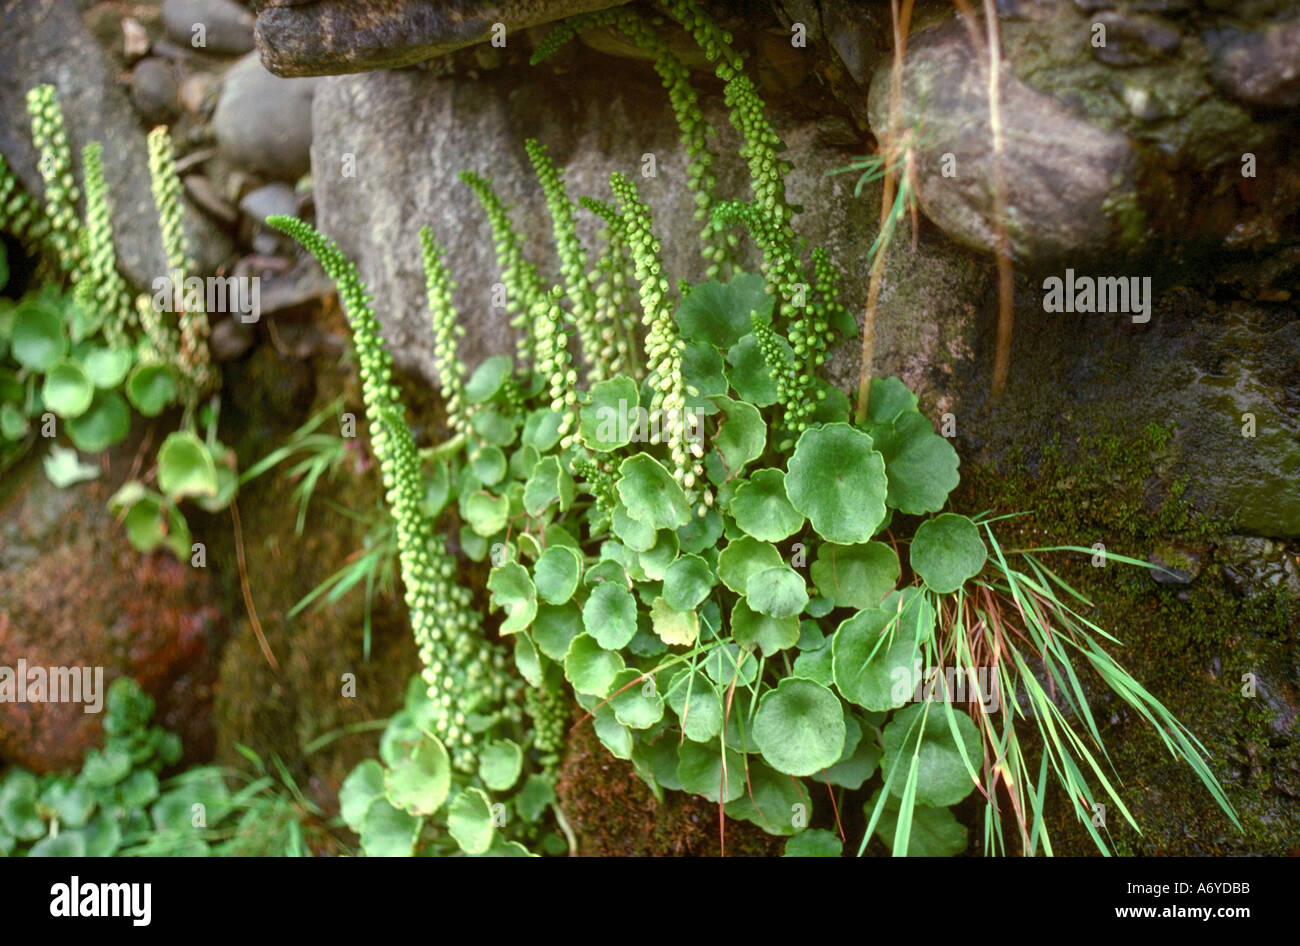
(1255, 565)
(1131, 39)
(1259, 68)
(204, 193)
(230, 339)
(263, 122)
(45, 41)
(198, 93)
(135, 39)
(388, 121)
(226, 26)
(1071, 177)
(1175, 564)
(73, 592)
(1219, 380)
(264, 202)
(153, 90)
(268, 200)
(324, 37)
(1125, 150)
(847, 27)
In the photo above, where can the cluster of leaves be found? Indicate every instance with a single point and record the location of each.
(414, 802)
(78, 361)
(715, 557)
(117, 805)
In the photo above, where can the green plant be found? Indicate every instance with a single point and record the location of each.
(77, 361)
(118, 806)
(721, 564)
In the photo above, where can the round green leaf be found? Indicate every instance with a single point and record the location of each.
(744, 557)
(489, 465)
(942, 778)
(493, 427)
(946, 551)
(499, 765)
(106, 423)
(742, 434)
(775, 802)
(469, 821)
(656, 560)
(535, 797)
(636, 702)
(814, 842)
(359, 790)
(610, 414)
(557, 573)
(487, 514)
(799, 727)
(920, 465)
(719, 313)
(67, 390)
(37, 340)
(674, 627)
(754, 629)
(609, 615)
(749, 372)
(837, 480)
(730, 663)
(875, 673)
(589, 667)
(650, 494)
(705, 769)
(185, 467)
(387, 831)
(777, 592)
(151, 388)
(18, 806)
(696, 702)
(488, 378)
(762, 509)
(687, 583)
(419, 783)
(855, 576)
(890, 398)
(549, 483)
(513, 590)
(67, 844)
(554, 628)
(103, 836)
(107, 367)
(542, 429)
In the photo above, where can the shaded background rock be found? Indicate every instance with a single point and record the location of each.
(227, 25)
(263, 122)
(46, 41)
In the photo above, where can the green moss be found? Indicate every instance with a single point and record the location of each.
(1189, 644)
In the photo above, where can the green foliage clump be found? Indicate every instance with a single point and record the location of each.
(714, 559)
(77, 361)
(118, 804)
